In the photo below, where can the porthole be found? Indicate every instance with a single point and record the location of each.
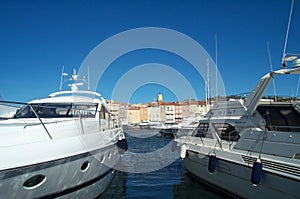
(109, 155)
(102, 158)
(34, 181)
(85, 166)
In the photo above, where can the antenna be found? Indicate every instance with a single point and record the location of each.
(88, 77)
(206, 97)
(216, 40)
(208, 83)
(271, 68)
(287, 35)
(61, 78)
(297, 88)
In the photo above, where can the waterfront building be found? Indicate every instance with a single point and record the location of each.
(185, 109)
(157, 111)
(203, 108)
(134, 114)
(154, 112)
(178, 112)
(123, 112)
(169, 110)
(119, 111)
(143, 113)
(114, 110)
(191, 108)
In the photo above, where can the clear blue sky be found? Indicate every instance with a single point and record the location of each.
(38, 37)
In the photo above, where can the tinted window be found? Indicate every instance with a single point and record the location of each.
(57, 110)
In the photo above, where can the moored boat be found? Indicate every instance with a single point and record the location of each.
(251, 148)
(169, 130)
(144, 125)
(64, 145)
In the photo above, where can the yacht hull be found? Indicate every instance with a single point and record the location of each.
(235, 178)
(85, 175)
(168, 132)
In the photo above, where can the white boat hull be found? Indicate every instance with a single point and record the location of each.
(59, 164)
(66, 177)
(235, 178)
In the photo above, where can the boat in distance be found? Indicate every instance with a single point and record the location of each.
(248, 149)
(62, 146)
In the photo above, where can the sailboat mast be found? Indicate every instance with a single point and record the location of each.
(88, 78)
(216, 41)
(61, 78)
(271, 68)
(208, 83)
(287, 35)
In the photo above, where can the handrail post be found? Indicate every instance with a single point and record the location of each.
(40, 121)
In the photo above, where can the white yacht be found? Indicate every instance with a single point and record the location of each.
(188, 125)
(169, 129)
(144, 125)
(185, 127)
(251, 148)
(62, 146)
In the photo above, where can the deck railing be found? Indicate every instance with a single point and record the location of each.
(34, 112)
(80, 113)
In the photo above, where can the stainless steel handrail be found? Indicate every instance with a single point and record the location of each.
(40, 121)
(32, 109)
(109, 126)
(55, 122)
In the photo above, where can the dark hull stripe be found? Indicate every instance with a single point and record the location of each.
(249, 166)
(213, 186)
(198, 178)
(76, 188)
(9, 173)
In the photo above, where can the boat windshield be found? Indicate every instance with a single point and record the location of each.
(226, 131)
(280, 117)
(46, 110)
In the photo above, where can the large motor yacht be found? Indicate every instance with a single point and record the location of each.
(65, 145)
(248, 148)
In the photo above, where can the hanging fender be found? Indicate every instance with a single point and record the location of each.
(212, 163)
(256, 172)
(183, 151)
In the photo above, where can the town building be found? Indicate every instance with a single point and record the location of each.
(118, 111)
(178, 112)
(143, 113)
(158, 111)
(154, 112)
(134, 114)
(169, 110)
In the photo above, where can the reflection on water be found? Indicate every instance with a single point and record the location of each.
(171, 181)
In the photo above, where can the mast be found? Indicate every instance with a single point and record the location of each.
(61, 78)
(88, 78)
(271, 68)
(216, 40)
(297, 88)
(286, 36)
(206, 97)
(208, 83)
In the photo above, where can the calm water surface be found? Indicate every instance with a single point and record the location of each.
(170, 181)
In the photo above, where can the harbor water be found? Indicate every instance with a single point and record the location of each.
(139, 177)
